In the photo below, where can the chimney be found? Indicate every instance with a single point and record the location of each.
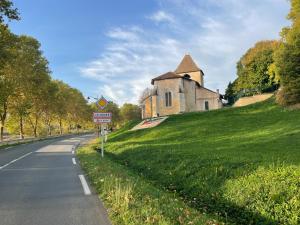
(218, 91)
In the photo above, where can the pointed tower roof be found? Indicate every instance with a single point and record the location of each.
(187, 65)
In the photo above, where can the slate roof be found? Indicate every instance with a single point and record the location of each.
(187, 65)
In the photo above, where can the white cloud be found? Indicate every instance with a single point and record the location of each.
(162, 16)
(124, 34)
(216, 34)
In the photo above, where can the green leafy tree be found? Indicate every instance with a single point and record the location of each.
(287, 59)
(253, 69)
(115, 110)
(8, 11)
(230, 93)
(30, 101)
(78, 110)
(130, 112)
(62, 101)
(49, 105)
(25, 68)
(37, 80)
(8, 80)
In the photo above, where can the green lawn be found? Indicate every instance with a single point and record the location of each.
(236, 165)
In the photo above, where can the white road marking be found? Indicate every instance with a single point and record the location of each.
(15, 160)
(74, 161)
(38, 168)
(84, 184)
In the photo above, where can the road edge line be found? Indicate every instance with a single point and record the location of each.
(84, 184)
(74, 161)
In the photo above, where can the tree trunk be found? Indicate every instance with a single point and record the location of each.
(21, 128)
(35, 132)
(3, 118)
(60, 127)
(35, 127)
(1, 131)
(49, 129)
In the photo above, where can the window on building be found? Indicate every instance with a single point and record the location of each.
(206, 105)
(168, 97)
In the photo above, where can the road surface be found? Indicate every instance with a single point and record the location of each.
(41, 184)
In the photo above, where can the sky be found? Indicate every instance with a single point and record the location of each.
(115, 47)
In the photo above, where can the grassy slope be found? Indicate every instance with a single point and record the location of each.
(132, 200)
(241, 164)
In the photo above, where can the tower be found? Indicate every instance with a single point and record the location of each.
(188, 66)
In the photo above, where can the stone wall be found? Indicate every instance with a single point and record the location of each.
(190, 95)
(211, 97)
(196, 76)
(147, 108)
(162, 87)
(251, 100)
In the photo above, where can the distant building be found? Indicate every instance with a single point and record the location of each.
(180, 91)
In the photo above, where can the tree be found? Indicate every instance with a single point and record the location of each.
(62, 99)
(35, 71)
(287, 59)
(29, 99)
(130, 112)
(230, 94)
(49, 105)
(78, 109)
(19, 109)
(114, 109)
(8, 80)
(254, 69)
(145, 93)
(7, 10)
(26, 65)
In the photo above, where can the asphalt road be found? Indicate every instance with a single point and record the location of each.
(41, 184)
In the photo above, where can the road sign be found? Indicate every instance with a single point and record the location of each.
(98, 121)
(102, 117)
(102, 103)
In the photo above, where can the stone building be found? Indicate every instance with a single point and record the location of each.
(179, 92)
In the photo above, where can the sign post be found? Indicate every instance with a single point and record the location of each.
(102, 141)
(102, 119)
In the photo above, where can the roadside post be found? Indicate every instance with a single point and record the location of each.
(102, 119)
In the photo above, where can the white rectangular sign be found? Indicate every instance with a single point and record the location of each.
(102, 117)
(102, 120)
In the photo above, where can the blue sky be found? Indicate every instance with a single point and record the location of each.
(114, 47)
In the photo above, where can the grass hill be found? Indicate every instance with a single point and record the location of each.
(233, 166)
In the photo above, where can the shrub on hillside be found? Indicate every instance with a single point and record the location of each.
(287, 59)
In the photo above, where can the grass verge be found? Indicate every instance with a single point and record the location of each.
(130, 199)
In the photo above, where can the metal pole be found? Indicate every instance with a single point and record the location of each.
(102, 142)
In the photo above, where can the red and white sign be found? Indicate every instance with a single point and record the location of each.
(102, 117)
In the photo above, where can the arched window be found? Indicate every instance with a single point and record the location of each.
(187, 76)
(168, 99)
